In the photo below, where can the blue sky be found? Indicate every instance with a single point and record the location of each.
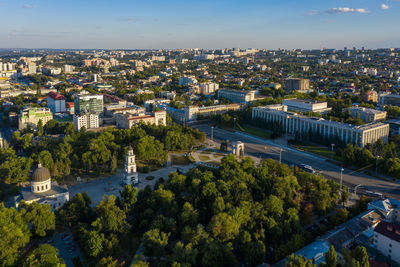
(202, 24)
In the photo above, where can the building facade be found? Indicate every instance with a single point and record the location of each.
(207, 88)
(43, 191)
(88, 103)
(127, 120)
(306, 105)
(297, 84)
(387, 240)
(293, 123)
(237, 96)
(368, 114)
(30, 117)
(86, 119)
(56, 102)
(187, 80)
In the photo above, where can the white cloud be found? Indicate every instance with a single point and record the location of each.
(339, 10)
(384, 6)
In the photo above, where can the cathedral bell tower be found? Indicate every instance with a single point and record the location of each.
(130, 174)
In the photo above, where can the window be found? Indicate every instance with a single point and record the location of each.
(46, 186)
(390, 245)
(390, 251)
(37, 188)
(42, 187)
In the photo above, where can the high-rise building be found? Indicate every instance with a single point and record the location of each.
(207, 88)
(56, 102)
(297, 84)
(87, 120)
(88, 103)
(130, 174)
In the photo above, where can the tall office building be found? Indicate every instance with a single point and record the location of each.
(88, 103)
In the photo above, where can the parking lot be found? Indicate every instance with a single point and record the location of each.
(67, 248)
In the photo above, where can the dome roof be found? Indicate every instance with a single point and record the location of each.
(41, 174)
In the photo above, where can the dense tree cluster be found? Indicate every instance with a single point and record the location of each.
(93, 152)
(18, 227)
(238, 214)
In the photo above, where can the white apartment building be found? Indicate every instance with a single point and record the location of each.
(306, 105)
(128, 121)
(387, 240)
(89, 120)
(368, 114)
(293, 123)
(68, 68)
(187, 80)
(207, 88)
(237, 96)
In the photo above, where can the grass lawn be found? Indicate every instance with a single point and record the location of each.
(256, 131)
(319, 150)
(179, 160)
(204, 158)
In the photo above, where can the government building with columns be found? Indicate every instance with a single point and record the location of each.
(293, 123)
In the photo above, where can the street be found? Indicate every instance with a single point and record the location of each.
(257, 147)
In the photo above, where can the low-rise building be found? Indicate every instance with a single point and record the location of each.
(368, 114)
(127, 120)
(371, 95)
(306, 105)
(89, 120)
(295, 124)
(30, 117)
(237, 96)
(69, 107)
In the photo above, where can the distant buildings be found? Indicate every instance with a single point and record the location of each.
(88, 103)
(368, 114)
(127, 120)
(88, 120)
(293, 124)
(370, 95)
(306, 105)
(237, 96)
(56, 102)
(68, 68)
(187, 80)
(297, 84)
(30, 117)
(207, 88)
(69, 108)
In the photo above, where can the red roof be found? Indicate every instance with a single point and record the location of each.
(69, 104)
(56, 96)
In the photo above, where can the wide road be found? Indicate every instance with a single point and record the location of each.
(258, 147)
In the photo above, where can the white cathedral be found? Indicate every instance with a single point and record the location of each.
(130, 174)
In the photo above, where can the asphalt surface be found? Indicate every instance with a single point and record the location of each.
(262, 148)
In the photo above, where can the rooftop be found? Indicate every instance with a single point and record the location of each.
(56, 96)
(28, 195)
(389, 230)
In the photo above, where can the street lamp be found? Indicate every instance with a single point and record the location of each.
(234, 123)
(280, 155)
(376, 165)
(212, 133)
(341, 178)
(332, 145)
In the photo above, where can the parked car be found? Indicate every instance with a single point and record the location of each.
(66, 237)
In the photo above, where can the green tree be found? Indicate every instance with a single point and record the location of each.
(40, 216)
(44, 256)
(224, 227)
(14, 234)
(40, 128)
(154, 242)
(127, 198)
(361, 256)
(110, 218)
(331, 257)
(299, 261)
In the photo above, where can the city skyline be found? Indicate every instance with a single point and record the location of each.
(178, 24)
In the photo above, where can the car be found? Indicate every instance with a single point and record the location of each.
(68, 242)
(66, 237)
